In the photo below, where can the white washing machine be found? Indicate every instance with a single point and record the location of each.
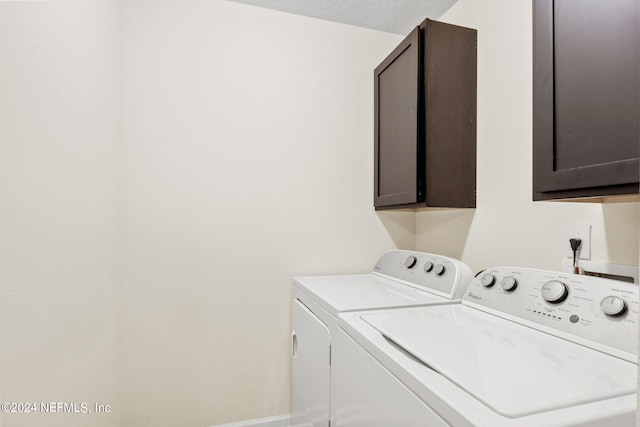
(525, 348)
(399, 279)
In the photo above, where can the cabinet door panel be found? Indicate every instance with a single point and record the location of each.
(396, 124)
(596, 82)
(586, 96)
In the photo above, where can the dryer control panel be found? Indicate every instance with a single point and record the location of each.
(599, 313)
(446, 276)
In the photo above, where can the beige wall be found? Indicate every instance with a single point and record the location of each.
(59, 155)
(247, 160)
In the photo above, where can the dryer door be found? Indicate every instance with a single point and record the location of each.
(310, 358)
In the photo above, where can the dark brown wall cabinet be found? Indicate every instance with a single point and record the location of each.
(586, 98)
(425, 120)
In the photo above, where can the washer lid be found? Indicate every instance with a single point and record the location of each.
(363, 292)
(513, 369)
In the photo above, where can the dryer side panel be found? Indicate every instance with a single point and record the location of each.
(366, 394)
(310, 371)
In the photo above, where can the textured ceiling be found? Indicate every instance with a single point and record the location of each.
(392, 16)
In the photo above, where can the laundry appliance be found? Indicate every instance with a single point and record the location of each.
(525, 348)
(399, 279)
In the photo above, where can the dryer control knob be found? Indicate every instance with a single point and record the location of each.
(554, 291)
(488, 280)
(428, 266)
(613, 306)
(509, 284)
(411, 261)
(439, 269)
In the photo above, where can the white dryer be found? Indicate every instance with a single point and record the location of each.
(525, 348)
(399, 279)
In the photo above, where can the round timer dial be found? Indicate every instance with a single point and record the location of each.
(411, 261)
(613, 306)
(488, 280)
(509, 284)
(554, 291)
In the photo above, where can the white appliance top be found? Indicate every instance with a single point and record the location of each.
(514, 370)
(363, 292)
(525, 343)
(399, 279)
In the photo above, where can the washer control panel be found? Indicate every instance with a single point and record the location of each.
(446, 276)
(599, 310)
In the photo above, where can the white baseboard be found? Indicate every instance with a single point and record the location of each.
(278, 421)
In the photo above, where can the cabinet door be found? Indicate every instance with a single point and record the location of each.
(310, 374)
(586, 97)
(396, 121)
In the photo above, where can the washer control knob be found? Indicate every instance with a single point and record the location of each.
(411, 261)
(554, 291)
(509, 284)
(428, 266)
(613, 306)
(439, 269)
(488, 280)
